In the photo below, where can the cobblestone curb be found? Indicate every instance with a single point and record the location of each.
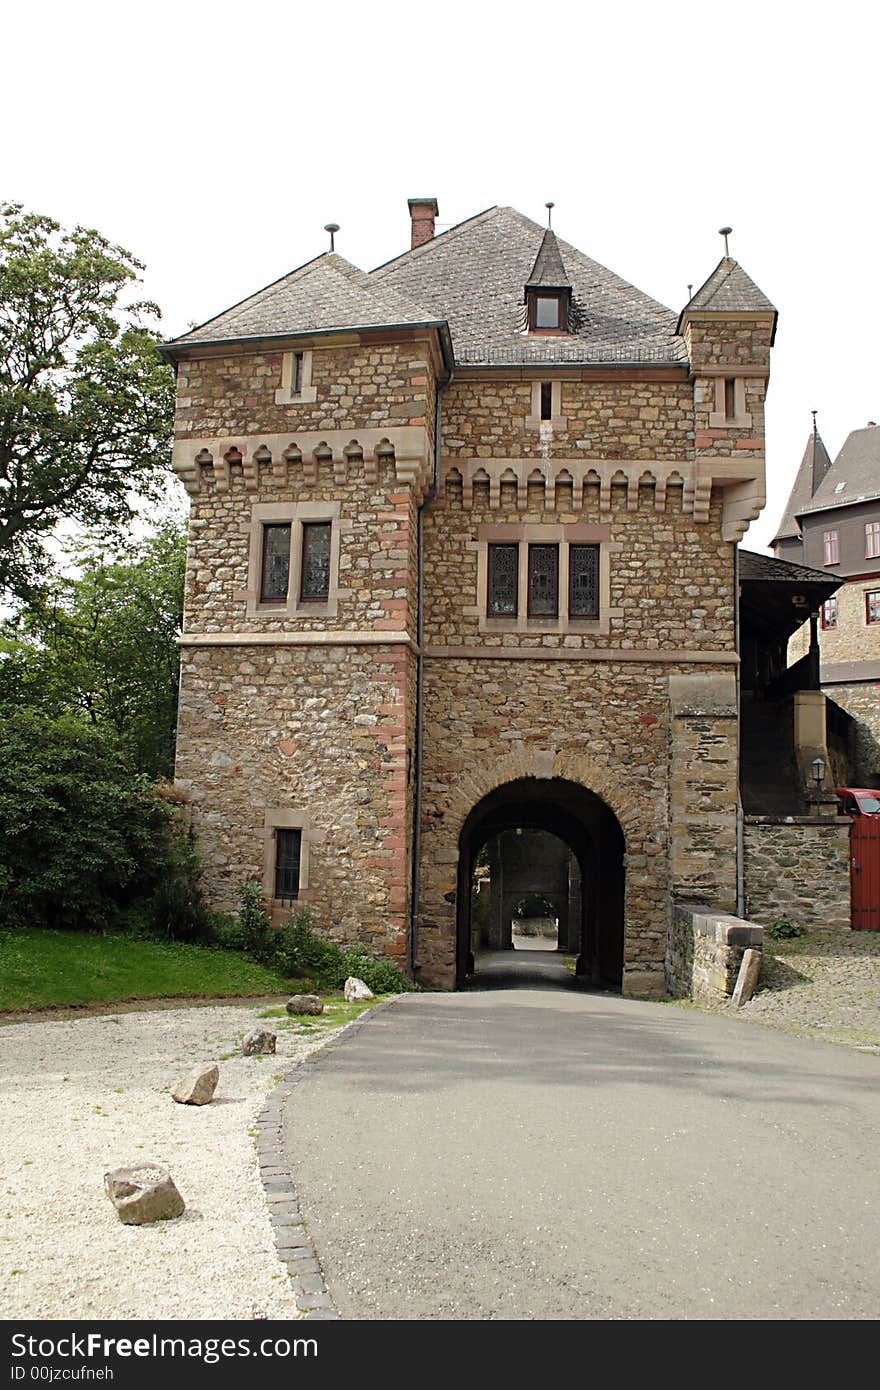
(294, 1244)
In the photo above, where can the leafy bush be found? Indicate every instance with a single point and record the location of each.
(300, 953)
(255, 930)
(84, 842)
(783, 929)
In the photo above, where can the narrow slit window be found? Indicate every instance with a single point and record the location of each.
(288, 852)
(315, 579)
(503, 581)
(543, 581)
(730, 398)
(546, 400)
(583, 581)
(276, 564)
(297, 373)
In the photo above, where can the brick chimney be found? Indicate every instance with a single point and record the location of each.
(422, 211)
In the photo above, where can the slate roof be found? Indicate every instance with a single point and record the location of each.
(474, 275)
(548, 271)
(326, 293)
(813, 468)
(729, 290)
(854, 476)
(768, 569)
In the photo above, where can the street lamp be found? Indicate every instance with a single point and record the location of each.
(818, 770)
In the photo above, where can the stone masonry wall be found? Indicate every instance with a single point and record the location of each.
(320, 731)
(671, 578)
(797, 869)
(861, 700)
(853, 639)
(705, 952)
(603, 725)
(647, 419)
(357, 387)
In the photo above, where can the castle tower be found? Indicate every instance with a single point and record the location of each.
(461, 565)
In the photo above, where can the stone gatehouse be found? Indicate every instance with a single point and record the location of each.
(461, 561)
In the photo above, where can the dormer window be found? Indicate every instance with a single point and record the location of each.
(547, 311)
(548, 290)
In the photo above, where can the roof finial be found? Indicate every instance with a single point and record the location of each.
(814, 413)
(725, 232)
(332, 228)
(690, 292)
(549, 207)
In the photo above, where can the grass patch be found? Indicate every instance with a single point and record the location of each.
(41, 968)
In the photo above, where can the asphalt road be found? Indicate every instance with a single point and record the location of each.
(543, 1153)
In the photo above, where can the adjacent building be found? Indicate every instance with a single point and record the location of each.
(832, 523)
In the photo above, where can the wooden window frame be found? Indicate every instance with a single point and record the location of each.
(828, 610)
(830, 547)
(872, 540)
(561, 300)
(869, 595)
(279, 832)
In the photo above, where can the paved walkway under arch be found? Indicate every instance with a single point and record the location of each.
(547, 1153)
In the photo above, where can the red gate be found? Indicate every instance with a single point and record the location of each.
(864, 859)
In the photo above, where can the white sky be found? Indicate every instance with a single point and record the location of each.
(215, 140)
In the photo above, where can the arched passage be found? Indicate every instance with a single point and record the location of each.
(587, 825)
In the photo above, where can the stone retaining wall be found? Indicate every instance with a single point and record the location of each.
(797, 868)
(705, 951)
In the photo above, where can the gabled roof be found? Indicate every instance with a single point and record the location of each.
(475, 275)
(326, 293)
(471, 280)
(813, 468)
(548, 272)
(768, 569)
(854, 476)
(729, 290)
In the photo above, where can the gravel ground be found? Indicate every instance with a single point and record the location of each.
(825, 985)
(81, 1096)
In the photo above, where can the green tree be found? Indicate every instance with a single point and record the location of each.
(102, 646)
(86, 402)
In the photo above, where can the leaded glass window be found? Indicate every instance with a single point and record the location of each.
(288, 846)
(276, 563)
(543, 581)
(503, 580)
(315, 586)
(583, 581)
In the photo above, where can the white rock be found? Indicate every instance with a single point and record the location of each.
(143, 1194)
(198, 1087)
(259, 1040)
(356, 989)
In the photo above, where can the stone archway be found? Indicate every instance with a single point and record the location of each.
(587, 825)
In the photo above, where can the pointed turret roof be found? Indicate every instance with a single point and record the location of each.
(811, 473)
(728, 290)
(326, 293)
(548, 272)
